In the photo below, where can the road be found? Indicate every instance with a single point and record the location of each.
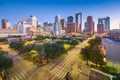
(57, 69)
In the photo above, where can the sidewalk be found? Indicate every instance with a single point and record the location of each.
(80, 71)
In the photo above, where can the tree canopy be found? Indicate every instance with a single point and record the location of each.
(93, 52)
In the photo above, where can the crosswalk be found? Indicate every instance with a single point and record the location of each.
(22, 69)
(55, 72)
(58, 73)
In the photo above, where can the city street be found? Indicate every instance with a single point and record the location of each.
(57, 69)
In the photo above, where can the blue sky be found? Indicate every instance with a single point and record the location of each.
(46, 10)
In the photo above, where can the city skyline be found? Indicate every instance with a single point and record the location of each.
(45, 11)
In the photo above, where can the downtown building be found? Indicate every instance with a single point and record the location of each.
(63, 24)
(71, 26)
(106, 23)
(100, 28)
(27, 25)
(78, 20)
(89, 26)
(6, 30)
(115, 34)
(5, 24)
(57, 26)
(48, 27)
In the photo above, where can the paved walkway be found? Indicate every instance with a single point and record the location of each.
(22, 68)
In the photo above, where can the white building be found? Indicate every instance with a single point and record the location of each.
(57, 25)
(32, 21)
(8, 25)
(27, 23)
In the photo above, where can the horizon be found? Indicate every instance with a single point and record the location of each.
(46, 10)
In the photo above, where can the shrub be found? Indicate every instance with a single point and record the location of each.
(67, 46)
(3, 39)
(16, 45)
(109, 70)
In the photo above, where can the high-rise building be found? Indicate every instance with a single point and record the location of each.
(57, 25)
(106, 22)
(32, 21)
(71, 28)
(89, 25)
(8, 25)
(48, 27)
(46, 24)
(63, 24)
(5, 24)
(38, 24)
(57, 18)
(70, 19)
(78, 20)
(100, 28)
(27, 25)
(15, 26)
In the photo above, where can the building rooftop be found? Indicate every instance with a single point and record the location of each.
(115, 30)
(108, 39)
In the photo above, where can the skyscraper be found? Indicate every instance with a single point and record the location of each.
(71, 26)
(63, 24)
(70, 19)
(57, 18)
(33, 21)
(100, 28)
(78, 20)
(57, 25)
(89, 25)
(48, 27)
(46, 24)
(5, 24)
(15, 26)
(106, 22)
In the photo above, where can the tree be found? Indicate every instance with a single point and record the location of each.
(75, 42)
(86, 54)
(33, 54)
(16, 45)
(5, 64)
(95, 41)
(1, 52)
(94, 51)
(97, 57)
(40, 38)
(3, 39)
(53, 50)
(26, 49)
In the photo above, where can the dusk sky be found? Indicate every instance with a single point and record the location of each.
(46, 10)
